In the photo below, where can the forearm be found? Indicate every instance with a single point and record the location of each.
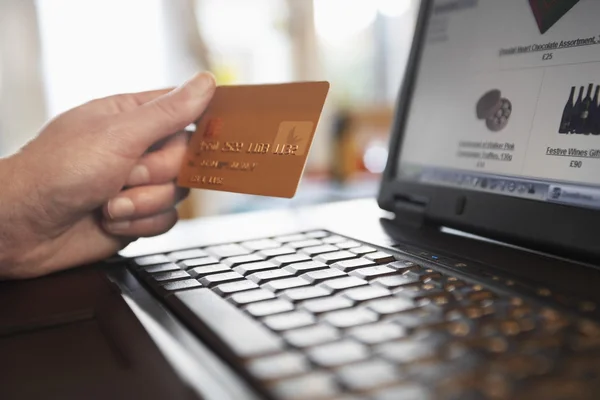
(13, 215)
(7, 216)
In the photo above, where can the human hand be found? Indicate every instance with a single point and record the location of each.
(96, 178)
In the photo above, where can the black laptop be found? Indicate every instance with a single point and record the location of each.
(473, 276)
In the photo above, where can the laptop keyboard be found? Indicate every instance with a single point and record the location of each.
(320, 316)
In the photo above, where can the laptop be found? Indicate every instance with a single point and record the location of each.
(472, 275)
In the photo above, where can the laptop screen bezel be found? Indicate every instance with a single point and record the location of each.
(567, 231)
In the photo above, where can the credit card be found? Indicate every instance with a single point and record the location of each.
(254, 139)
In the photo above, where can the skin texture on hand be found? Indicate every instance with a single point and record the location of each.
(96, 178)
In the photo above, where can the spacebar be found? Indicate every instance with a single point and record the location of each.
(204, 310)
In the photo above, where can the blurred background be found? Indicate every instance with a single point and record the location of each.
(56, 54)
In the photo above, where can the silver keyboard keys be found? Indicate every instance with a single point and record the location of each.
(320, 306)
(288, 321)
(337, 354)
(272, 307)
(312, 336)
(349, 318)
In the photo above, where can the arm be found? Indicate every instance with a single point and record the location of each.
(96, 178)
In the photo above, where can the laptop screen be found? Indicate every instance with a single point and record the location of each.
(507, 100)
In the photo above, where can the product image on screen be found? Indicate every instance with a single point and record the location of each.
(549, 12)
(494, 109)
(582, 115)
(517, 113)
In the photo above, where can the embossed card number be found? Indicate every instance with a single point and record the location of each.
(254, 139)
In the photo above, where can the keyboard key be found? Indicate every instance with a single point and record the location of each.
(316, 234)
(348, 244)
(251, 296)
(186, 254)
(290, 238)
(180, 285)
(216, 279)
(362, 250)
(407, 351)
(312, 336)
(227, 250)
(377, 333)
(317, 385)
(521, 366)
(278, 366)
(283, 284)
(415, 270)
(266, 276)
(170, 276)
(487, 345)
(290, 259)
(419, 318)
(200, 272)
(349, 318)
(330, 258)
(237, 260)
(246, 269)
(313, 251)
(304, 243)
(291, 320)
(198, 262)
(319, 306)
(300, 268)
(369, 375)
(365, 293)
(333, 239)
(350, 265)
(323, 275)
(403, 265)
(204, 309)
(453, 284)
(408, 391)
(337, 354)
(481, 295)
(343, 283)
(152, 260)
(395, 281)
(425, 274)
(229, 288)
(304, 293)
(390, 306)
(262, 244)
(280, 251)
(266, 308)
(471, 312)
(380, 257)
(419, 293)
(161, 268)
(373, 272)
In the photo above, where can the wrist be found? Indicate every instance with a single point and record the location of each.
(7, 204)
(12, 216)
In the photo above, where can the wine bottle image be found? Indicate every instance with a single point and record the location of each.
(567, 116)
(595, 112)
(576, 116)
(585, 126)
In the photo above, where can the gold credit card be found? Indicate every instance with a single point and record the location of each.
(254, 139)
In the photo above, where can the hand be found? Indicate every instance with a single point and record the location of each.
(95, 179)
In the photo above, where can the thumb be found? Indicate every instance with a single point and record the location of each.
(169, 113)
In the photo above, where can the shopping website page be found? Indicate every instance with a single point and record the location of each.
(509, 89)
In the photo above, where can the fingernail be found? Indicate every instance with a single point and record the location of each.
(139, 176)
(120, 207)
(118, 226)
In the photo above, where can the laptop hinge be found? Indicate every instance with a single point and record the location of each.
(409, 211)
